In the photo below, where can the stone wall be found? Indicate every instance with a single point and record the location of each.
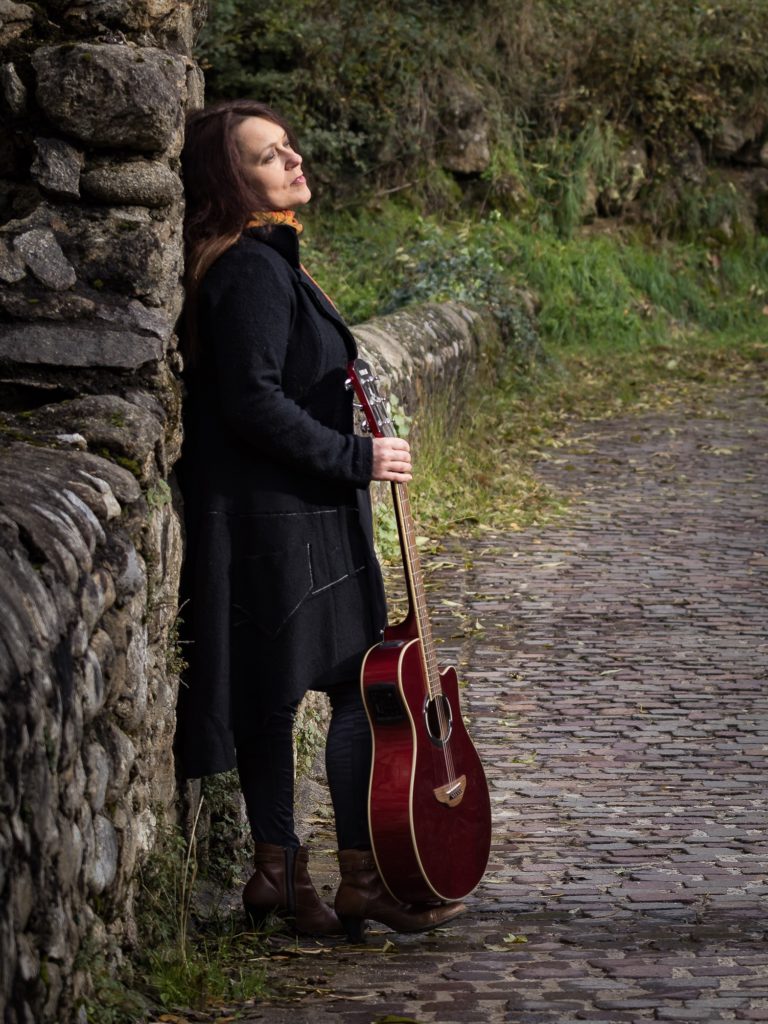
(424, 350)
(92, 103)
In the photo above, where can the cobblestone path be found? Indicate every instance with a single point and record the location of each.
(617, 692)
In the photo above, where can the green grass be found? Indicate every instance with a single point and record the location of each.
(222, 967)
(599, 288)
(186, 959)
(625, 321)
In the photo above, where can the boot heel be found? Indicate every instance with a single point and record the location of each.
(354, 927)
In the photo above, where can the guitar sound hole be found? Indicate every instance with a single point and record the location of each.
(437, 716)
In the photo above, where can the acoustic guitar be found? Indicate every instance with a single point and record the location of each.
(428, 805)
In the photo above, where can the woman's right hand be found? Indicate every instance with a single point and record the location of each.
(391, 459)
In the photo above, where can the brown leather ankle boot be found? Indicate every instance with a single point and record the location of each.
(281, 885)
(362, 894)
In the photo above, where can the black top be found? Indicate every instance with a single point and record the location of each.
(281, 586)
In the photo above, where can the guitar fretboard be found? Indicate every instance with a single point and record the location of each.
(415, 582)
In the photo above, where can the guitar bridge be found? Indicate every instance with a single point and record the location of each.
(452, 793)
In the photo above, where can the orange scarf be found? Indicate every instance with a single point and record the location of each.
(265, 218)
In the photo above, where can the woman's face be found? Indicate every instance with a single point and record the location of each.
(270, 164)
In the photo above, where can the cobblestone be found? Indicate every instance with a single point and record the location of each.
(617, 693)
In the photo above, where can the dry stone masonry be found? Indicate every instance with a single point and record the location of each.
(92, 103)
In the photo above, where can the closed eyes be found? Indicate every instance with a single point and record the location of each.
(271, 154)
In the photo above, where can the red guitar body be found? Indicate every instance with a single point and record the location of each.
(426, 849)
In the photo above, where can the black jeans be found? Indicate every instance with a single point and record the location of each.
(265, 766)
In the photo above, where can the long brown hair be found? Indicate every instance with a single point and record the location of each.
(219, 197)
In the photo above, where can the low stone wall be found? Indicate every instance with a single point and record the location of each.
(425, 350)
(87, 709)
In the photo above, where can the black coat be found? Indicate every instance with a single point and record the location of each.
(281, 589)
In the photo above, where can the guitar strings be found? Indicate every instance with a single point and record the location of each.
(428, 655)
(414, 577)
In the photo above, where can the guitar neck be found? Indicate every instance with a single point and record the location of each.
(379, 419)
(414, 579)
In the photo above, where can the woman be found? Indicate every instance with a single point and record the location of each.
(282, 588)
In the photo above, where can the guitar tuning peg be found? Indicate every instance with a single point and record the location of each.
(348, 385)
(357, 405)
(365, 427)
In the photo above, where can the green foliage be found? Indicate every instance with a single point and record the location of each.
(599, 289)
(164, 882)
(607, 291)
(400, 419)
(227, 844)
(384, 521)
(219, 967)
(419, 259)
(575, 167)
(659, 66)
(713, 209)
(606, 288)
(385, 528)
(123, 996)
(309, 737)
(449, 262)
(564, 85)
(111, 1001)
(184, 962)
(122, 460)
(175, 662)
(337, 247)
(350, 75)
(158, 494)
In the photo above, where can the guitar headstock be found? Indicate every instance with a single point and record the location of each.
(373, 405)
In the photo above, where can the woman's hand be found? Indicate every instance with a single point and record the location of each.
(391, 459)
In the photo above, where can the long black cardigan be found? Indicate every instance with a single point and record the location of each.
(281, 591)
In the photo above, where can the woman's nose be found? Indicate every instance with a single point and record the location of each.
(294, 159)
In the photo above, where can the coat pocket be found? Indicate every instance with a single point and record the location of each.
(269, 588)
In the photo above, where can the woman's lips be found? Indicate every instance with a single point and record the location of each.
(301, 180)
